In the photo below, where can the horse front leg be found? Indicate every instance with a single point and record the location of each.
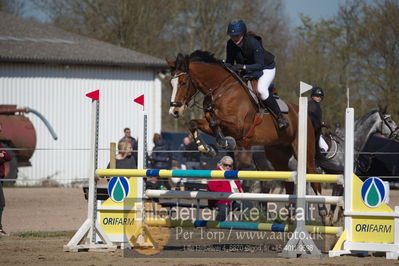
(203, 125)
(227, 143)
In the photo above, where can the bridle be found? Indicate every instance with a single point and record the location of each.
(176, 76)
(209, 92)
(393, 131)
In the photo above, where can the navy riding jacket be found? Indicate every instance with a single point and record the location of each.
(315, 114)
(251, 54)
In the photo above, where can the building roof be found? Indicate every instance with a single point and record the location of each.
(32, 42)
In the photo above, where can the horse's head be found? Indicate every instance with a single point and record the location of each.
(388, 126)
(199, 71)
(182, 84)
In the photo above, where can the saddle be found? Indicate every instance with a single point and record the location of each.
(252, 87)
(331, 141)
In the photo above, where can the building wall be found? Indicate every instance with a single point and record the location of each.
(58, 92)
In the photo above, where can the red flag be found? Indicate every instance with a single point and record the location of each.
(140, 100)
(95, 95)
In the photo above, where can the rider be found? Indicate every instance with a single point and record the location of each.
(314, 109)
(255, 62)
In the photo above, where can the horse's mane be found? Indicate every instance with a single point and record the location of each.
(361, 120)
(182, 61)
(204, 56)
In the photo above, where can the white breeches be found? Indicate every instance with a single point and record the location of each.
(323, 144)
(264, 82)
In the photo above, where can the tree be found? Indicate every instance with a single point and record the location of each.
(350, 51)
(378, 36)
(15, 7)
(166, 27)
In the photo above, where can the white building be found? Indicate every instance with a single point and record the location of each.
(50, 70)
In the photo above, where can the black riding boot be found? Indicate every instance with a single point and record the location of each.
(271, 104)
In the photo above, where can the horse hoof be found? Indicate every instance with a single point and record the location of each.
(323, 212)
(230, 143)
(326, 221)
(212, 151)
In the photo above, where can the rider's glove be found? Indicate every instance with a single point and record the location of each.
(325, 124)
(230, 66)
(238, 67)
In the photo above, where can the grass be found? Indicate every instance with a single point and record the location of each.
(45, 234)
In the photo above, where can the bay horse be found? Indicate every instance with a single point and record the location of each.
(231, 116)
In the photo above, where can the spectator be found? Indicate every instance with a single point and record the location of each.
(160, 157)
(4, 157)
(124, 158)
(152, 183)
(223, 206)
(339, 131)
(192, 157)
(129, 137)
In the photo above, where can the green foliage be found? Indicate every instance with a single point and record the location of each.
(164, 28)
(357, 49)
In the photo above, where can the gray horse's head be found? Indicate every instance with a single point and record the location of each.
(386, 126)
(376, 121)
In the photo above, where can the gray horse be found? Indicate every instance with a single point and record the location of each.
(376, 121)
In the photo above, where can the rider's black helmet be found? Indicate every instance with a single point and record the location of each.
(236, 27)
(317, 91)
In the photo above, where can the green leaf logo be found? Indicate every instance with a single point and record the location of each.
(118, 188)
(373, 192)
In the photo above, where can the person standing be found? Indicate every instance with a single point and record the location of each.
(191, 155)
(160, 157)
(223, 207)
(124, 158)
(4, 157)
(127, 136)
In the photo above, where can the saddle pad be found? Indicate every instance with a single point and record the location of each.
(332, 149)
(283, 106)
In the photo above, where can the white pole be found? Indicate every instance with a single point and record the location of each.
(302, 151)
(91, 227)
(301, 244)
(141, 152)
(92, 205)
(348, 171)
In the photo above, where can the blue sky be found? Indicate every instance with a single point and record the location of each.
(315, 9)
